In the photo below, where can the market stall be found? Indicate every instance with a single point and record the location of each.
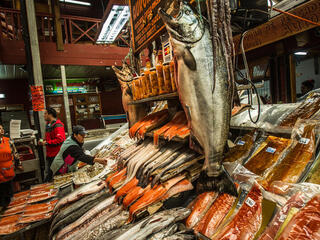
(192, 163)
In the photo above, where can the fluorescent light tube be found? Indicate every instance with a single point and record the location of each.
(76, 2)
(300, 53)
(118, 17)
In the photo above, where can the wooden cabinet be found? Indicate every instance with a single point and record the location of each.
(85, 109)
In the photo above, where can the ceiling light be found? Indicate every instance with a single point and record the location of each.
(300, 53)
(116, 20)
(76, 2)
(2, 95)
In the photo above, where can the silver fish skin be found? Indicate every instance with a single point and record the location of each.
(87, 189)
(177, 214)
(73, 212)
(74, 206)
(165, 232)
(179, 236)
(111, 235)
(204, 93)
(111, 224)
(153, 227)
(86, 230)
(91, 213)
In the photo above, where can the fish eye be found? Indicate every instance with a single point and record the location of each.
(187, 12)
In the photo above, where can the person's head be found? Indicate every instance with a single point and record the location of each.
(50, 114)
(307, 86)
(1, 130)
(79, 132)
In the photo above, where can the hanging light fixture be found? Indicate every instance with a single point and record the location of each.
(76, 2)
(118, 17)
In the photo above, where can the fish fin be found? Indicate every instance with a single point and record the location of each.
(189, 59)
(222, 183)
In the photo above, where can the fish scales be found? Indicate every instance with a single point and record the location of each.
(106, 226)
(93, 222)
(165, 232)
(87, 189)
(205, 90)
(91, 213)
(69, 218)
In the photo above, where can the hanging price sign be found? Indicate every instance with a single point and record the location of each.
(37, 98)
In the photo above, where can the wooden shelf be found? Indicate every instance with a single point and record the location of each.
(162, 97)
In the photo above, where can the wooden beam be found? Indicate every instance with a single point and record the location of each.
(13, 52)
(281, 27)
(57, 25)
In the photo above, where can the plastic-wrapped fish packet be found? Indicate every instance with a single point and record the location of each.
(295, 161)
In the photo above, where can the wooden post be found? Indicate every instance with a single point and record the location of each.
(292, 64)
(57, 25)
(65, 98)
(30, 36)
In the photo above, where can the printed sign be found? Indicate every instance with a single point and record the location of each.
(250, 202)
(271, 150)
(37, 98)
(146, 24)
(241, 143)
(304, 140)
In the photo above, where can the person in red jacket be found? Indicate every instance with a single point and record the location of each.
(55, 136)
(9, 160)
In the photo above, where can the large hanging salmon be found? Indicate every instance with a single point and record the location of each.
(205, 91)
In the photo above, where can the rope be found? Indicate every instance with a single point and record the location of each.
(295, 16)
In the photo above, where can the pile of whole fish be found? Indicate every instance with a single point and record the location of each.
(91, 212)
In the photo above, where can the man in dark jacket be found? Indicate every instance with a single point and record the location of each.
(71, 153)
(55, 136)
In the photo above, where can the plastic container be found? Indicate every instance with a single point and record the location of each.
(167, 78)
(154, 82)
(173, 76)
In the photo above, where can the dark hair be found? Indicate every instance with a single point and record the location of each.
(52, 112)
(309, 84)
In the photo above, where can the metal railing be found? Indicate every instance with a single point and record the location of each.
(75, 29)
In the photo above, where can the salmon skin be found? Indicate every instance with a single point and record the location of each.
(305, 224)
(215, 215)
(204, 83)
(268, 156)
(133, 195)
(152, 196)
(35, 218)
(147, 121)
(248, 219)
(296, 201)
(296, 158)
(11, 228)
(126, 188)
(305, 111)
(200, 208)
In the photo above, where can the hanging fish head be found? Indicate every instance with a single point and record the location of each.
(186, 27)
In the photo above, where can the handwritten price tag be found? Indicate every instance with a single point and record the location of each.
(250, 202)
(37, 98)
